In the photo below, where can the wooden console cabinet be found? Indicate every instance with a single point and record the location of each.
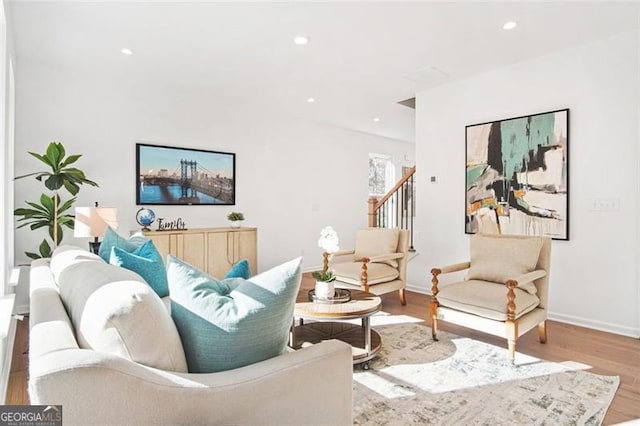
(213, 250)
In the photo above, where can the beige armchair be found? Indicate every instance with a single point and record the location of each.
(505, 292)
(377, 264)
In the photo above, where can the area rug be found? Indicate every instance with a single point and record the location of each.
(461, 381)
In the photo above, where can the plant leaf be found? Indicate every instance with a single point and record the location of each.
(71, 186)
(42, 158)
(54, 155)
(45, 249)
(71, 159)
(54, 182)
(46, 202)
(67, 205)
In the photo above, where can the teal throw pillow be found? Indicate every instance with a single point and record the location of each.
(227, 324)
(240, 270)
(147, 262)
(111, 239)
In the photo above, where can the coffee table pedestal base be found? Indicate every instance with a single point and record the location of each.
(355, 335)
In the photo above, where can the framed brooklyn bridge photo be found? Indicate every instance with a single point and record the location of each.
(184, 176)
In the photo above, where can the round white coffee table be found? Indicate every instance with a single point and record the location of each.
(364, 341)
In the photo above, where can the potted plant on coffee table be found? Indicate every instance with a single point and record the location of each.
(325, 287)
(329, 242)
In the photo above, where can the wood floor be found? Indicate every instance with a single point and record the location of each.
(608, 354)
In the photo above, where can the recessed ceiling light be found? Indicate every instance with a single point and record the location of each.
(301, 40)
(311, 100)
(509, 25)
(376, 119)
(126, 51)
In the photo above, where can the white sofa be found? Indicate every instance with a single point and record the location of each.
(308, 386)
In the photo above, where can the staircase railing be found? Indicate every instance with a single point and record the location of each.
(396, 209)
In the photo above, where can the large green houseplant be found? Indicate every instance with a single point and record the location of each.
(50, 211)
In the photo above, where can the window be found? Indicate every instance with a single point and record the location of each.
(381, 174)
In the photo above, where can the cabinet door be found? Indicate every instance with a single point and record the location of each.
(162, 243)
(220, 253)
(245, 248)
(191, 248)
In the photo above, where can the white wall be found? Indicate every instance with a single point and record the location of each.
(6, 152)
(594, 276)
(293, 176)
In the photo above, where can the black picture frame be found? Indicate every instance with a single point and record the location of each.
(517, 175)
(171, 175)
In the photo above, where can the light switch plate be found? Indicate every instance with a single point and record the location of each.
(605, 205)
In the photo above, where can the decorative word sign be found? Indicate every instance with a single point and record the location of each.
(174, 225)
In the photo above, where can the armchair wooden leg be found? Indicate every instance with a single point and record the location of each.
(512, 350)
(542, 332)
(433, 313)
(512, 336)
(403, 297)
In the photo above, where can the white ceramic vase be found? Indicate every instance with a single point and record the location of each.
(325, 290)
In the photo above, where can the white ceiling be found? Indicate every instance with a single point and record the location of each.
(363, 57)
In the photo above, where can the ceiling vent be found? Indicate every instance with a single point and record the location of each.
(429, 76)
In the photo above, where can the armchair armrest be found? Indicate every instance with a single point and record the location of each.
(452, 268)
(434, 284)
(528, 277)
(383, 257)
(512, 284)
(326, 255)
(343, 252)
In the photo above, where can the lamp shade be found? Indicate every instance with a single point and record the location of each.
(93, 221)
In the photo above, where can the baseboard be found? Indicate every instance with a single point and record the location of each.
(21, 309)
(311, 269)
(596, 325)
(419, 288)
(7, 337)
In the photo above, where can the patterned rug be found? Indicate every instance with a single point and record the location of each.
(460, 381)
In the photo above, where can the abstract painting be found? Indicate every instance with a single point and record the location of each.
(517, 179)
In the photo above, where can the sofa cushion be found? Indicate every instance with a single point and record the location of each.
(374, 242)
(146, 261)
(226, 324)
(499, 259)
(239, 270)
(350, 272)
(112, 239)
(113, 310)
(65, 255)
(485, 299)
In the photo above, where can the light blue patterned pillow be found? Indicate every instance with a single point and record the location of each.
(146, 262)
(111, 239)
(234, 322)
(239, 270)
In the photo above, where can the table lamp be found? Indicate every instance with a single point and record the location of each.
(92, 222)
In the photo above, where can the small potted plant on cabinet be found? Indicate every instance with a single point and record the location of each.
(236, 219)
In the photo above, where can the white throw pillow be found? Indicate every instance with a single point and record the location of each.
(374, 242)
(113, 310)
(66, 255)
(499, 259)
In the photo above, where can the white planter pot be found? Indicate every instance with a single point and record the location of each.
(236, 223)
(325, 290)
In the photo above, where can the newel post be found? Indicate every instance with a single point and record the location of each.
(372, 211)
